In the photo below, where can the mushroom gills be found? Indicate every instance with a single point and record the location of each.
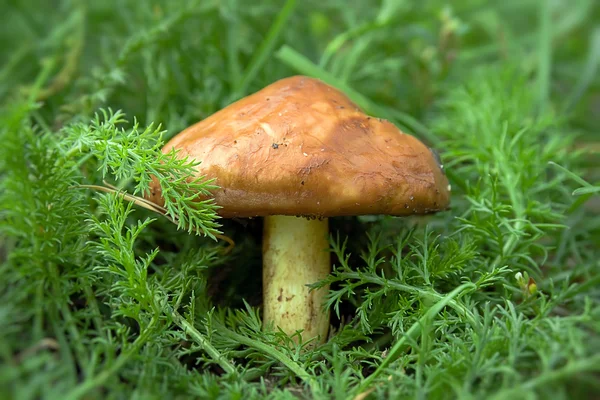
(295, 254)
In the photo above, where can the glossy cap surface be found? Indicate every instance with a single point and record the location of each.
(301, 147)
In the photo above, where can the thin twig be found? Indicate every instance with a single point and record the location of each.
(149, 205)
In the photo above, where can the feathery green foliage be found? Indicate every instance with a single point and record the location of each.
(102, 298)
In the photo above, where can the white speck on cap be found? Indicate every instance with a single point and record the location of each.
(449, 188)
(267, 128)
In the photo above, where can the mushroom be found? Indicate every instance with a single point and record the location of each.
(297, 153)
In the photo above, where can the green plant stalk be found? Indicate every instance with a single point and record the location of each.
(584, 185)
(413, 332)
(205, 344)
(337, 42)
(63, 342)
(93, 302)
(410, 289)
(33, 91)
(64, 310)
(68, 71)
(229, 368)
(103, 376)
(273, 353)
(516, 201)
(38, 318)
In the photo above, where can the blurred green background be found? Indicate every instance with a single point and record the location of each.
(175, 62)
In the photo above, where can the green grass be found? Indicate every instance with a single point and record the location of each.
(102, 298)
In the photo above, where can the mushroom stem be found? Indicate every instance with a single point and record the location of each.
(295, 254)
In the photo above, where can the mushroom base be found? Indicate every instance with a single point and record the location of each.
(295, 254)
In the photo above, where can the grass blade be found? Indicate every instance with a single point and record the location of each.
(544, 54)
(412, 333)
(266, 47)
(590, 72)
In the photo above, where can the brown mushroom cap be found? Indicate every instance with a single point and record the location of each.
(301, 147)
